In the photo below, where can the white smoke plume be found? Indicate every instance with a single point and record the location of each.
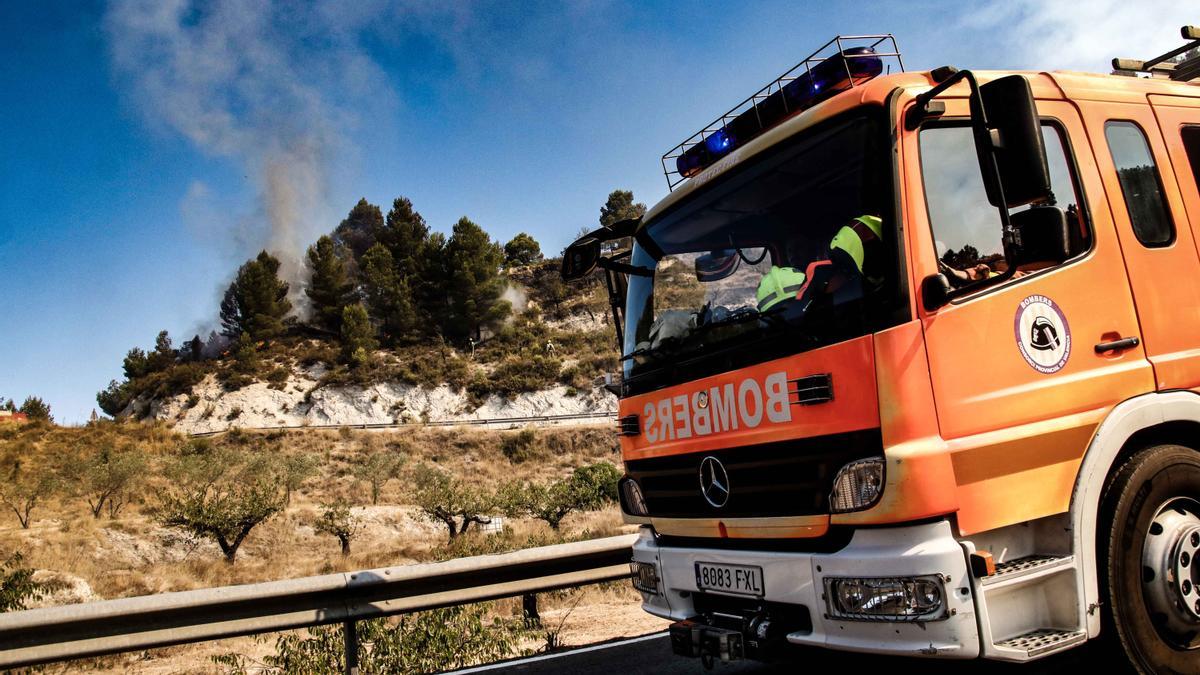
(516, 296)
(275, 86)
(1074, 35)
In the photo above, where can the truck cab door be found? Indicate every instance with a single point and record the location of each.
(1152, 226)
(1152, 191)
(1018, 385)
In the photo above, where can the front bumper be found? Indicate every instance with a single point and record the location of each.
(798, 579)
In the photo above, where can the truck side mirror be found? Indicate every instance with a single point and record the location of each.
(580, 258)
(1043, 233)
(586, 253)
(935, 291)
(1014, 138)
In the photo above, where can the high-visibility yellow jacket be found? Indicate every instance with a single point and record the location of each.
(854, 240)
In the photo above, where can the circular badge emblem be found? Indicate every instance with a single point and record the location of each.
(1042, 333)
(714, 482)
(702, 399)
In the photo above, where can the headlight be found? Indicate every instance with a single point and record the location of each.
(857, 485)
(886, 598)
(633, 501)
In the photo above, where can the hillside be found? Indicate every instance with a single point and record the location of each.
(547, 358)
(386, 322)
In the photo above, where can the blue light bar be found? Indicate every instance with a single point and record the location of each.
(821, 79)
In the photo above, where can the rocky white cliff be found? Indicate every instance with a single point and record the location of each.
(300, 402)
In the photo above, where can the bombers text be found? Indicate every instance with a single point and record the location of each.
(728, 408)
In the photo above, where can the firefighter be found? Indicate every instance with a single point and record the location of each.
(853, 252)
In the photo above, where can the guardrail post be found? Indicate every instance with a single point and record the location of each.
(350, 633)
(530, 610)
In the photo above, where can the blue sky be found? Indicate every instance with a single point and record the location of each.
(148, 148)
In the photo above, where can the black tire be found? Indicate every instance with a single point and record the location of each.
(1151, 485)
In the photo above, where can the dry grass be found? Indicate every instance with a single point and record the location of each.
(133, 555)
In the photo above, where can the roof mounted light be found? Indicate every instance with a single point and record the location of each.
(840, 64)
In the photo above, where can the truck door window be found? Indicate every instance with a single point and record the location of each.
(1140, 183)
(966, 227)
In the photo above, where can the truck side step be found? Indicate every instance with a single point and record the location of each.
(1043, 640)
(1030, 566)
(1030, 608)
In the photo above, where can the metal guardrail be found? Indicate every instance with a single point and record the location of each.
(439, 423)
(38, 636)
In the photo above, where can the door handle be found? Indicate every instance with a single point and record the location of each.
(1117, 345)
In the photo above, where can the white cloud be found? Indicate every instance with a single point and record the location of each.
(1084, 34)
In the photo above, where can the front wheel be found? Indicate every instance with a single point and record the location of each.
(1150, 538)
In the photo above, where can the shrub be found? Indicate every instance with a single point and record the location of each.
(599, 479)
(316, 352)
(517, 376)
(426, 642)
(521, 446)
(278, 378)
(17, 586)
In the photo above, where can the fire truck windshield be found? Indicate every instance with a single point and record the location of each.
(731, 261)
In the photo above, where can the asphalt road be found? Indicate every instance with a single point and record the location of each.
(652, 654)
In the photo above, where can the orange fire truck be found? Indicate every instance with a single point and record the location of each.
(911, 364)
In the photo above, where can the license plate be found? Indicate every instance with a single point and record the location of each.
(740, 579)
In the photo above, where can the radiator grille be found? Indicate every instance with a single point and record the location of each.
(787, 478)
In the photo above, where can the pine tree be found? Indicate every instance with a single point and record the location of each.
(620, 206)
(359, 231)
(329, 288)
(163, 356)
(36, 409)
(256, 302)
(358, 335)
(473, 265)
(136, 364)
(522, 250)
(195, 349)
(429, 293)
(388, 295)
(416, 256)
(405, 235)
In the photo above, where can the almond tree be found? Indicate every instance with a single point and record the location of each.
(107, 478)
(22, 489)
(445, 499)
(587, 488)
(336, 520)
(377, 468)
(222, 497)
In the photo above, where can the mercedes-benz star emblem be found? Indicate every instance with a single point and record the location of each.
(702, 400)
(714, 482)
